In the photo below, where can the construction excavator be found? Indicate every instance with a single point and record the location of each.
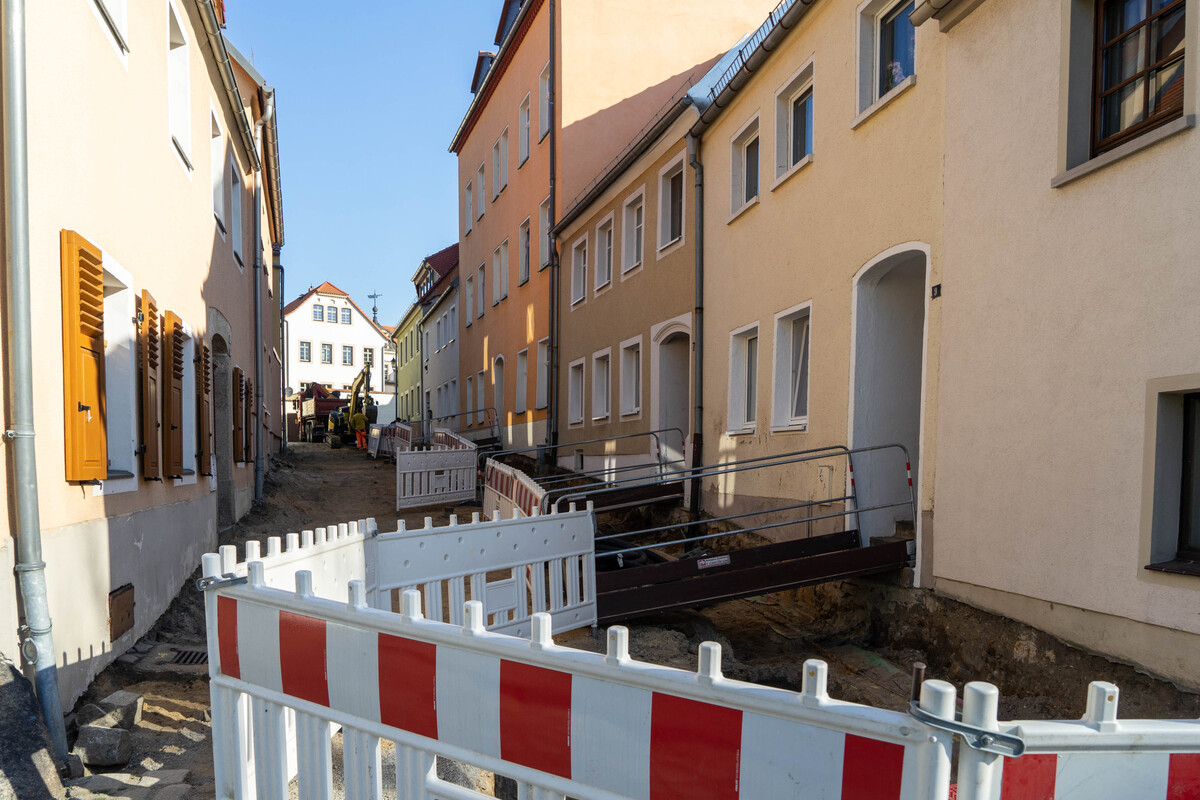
(339, 430)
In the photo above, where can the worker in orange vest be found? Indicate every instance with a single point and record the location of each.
(359, 423)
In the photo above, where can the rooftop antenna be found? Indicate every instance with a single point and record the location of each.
(375, 306)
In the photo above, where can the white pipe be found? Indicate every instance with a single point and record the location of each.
(37, 643)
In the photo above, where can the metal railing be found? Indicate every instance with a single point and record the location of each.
(490, 424)
(756, 39)
(659, 464)
(556, 498)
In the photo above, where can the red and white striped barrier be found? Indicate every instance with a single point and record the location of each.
(507, 488)
(558, 720)
(442, 473)
(1096, 758)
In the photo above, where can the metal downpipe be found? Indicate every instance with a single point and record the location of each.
(37, 642)
(552, 395)
(693, 146)
(283, 440)
(268, 112)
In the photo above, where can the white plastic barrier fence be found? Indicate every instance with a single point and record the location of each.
(443, 473)
(514, 567)
(334, 555)
(561, 722)
(385, 440)
(506, 489)
(1096, 758)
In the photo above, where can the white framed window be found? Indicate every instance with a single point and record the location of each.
(743, 379)
(480, 392)
(504, 159)
(115, 17)
(604, 252)
(470, 300)
(634, 223)
(789, 402)
(794, 122)
(523, 132)
(468, 201)
(670, 203)
(120, 378)
(347, 355)
(326, 354)
(522, 381)
(631, 376)
(369, 356)
(318, 313)
(575, 392)
(886, 50)
(523, 259)
(743, 156)
(427, 347)
(306, 352)
(579, 256)
(439, 332)
(235, 212)
(547, 243)
(187, 409)
(470, 409)
(179, 96)
(543, 373)
(452, 325)
(544, 102)
(331, 314)
(601, 384)
(217, 153)
(346, 316)
(482, 296)
(480, 182)
(500, 272)
(500, 164)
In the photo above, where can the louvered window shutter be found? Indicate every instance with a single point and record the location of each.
(151, 404)
(85, 435)
(204, 410)
(251, 418)
(239, 394)
(173, 341)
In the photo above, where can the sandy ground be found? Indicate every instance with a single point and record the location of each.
(764, 640)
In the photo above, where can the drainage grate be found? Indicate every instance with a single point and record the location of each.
(189, 658)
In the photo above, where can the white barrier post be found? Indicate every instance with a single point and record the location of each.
(937, 698)
(978, 776)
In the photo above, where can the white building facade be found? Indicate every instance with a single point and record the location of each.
(330, 339)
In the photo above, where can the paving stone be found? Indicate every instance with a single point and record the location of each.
(103, 747)
(91, 714)
(73, 766)
(179, 791)
(166, 776)
(127, 706)
(144, 646)
(109, 782)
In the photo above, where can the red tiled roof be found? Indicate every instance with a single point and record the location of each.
(329, 288)
(444, 260)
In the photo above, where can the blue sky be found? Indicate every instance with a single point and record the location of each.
(369, 94)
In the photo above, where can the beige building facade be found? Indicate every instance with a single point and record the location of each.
(571, 84)
(627, 295)
(1067, 409)
(147, 140)
(822, 154)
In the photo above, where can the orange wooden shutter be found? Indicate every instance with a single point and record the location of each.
(172, 395)
(239, 394)
(84, 412)
(251, 420)
(204, 409)
(151, 404)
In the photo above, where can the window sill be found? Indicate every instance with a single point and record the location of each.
(183, 156)
(522, 162)
(220, 224)
(542, 136)
(631, 270)
(118, 474)
(1177, 567)
(543, 265)
(1101, 161)
(576, 301)
(884, 101)
(669, 247)
(792, 170)
(522, 282)
(750, 431)
(600, 420)
(602, 288)
(793, 427)
(631, 414)
(751, 203)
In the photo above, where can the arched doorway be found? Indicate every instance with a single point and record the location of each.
(672, 377)
(888, 380)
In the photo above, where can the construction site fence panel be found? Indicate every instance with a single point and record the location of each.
(507, 489)
(561, 722)
(443, 473)
(386, 440)
(1099, 757)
